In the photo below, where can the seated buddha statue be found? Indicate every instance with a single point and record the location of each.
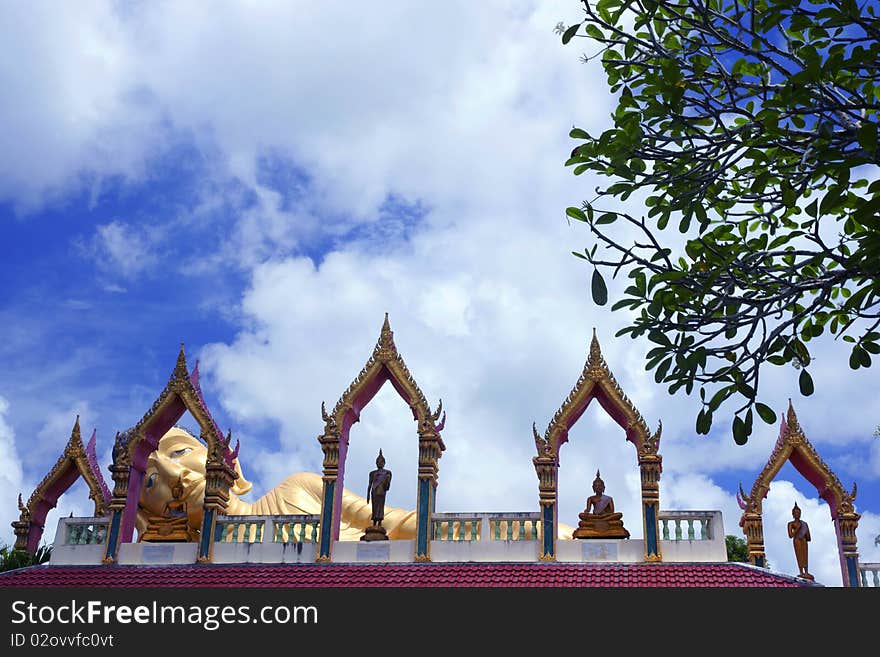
(598, 520)
(173, 524)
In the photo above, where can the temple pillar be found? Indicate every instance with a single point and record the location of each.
(547, 468)
(330, 446)
(219, 477)
(120, 470)
(650, 465)
(846, 524)
(429, 454)
(22, 528)
(753, 527)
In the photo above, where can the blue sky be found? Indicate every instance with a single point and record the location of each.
(263, 182)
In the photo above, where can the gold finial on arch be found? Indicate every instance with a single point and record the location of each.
(595, 349)
(597, 379)
(385, 360)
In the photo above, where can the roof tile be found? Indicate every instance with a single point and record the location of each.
(402, 575)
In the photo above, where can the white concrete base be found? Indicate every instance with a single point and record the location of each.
(373, 551)
(77, 555)
(147, 554)
(693, 551)
(485, 551)
(621, 550)
(264, 553)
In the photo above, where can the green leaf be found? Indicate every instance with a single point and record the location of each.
(867, 136)
(600, 292)
(704, 422)
(805, 382)
(740, 431)
(570, 32)
(767, 414)
(576, 213)
(854, 360)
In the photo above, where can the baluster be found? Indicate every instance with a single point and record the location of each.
(102, 534)
(677, 522)
(535, 529)
(315, 531)
(876, 577)
(497, 525)
(510, 530)
(72, 534)
(475, 530)
(664, 529)
(302, 531)
(704, 529)
(260, 527)
(690, 529)
(449, 529)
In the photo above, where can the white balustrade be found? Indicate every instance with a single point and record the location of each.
(686, 525)
(870, 574)
(84, 531)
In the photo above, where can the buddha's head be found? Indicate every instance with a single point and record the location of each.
(598, 484)
(380, 460)
(176, 470)
(796, 512)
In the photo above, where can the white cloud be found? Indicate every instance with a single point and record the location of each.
(121, 250)
(10, 477)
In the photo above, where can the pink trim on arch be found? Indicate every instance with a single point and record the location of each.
(613, 410)
(38, 516)
(92, 457)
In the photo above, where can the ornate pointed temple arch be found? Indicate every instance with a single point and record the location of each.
(597, 382)
(133, 447)
(793, 446)
(77, 460)
(385, 364)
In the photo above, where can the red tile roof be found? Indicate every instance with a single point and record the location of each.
(403, 575)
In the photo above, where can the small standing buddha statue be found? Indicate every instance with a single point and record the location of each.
(599, 519)
(173, 524)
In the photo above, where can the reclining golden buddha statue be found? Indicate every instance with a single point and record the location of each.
(175, 476)
(180, 461)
